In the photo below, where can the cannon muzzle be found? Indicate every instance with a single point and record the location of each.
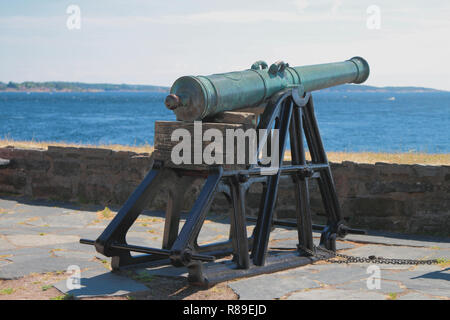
(198, 97)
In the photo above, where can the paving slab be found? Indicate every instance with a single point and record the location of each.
(415, 296)
(31, 221)
(28, 254)
(279, 234)
(85, 233)
(435, 283)
(100, 225)
(400, 240)
(30, 229)
(75, 219)
(390, 251)
(7, 204)
(398, 252)
(4, 263)
(27, 250)
(6, 245)
(333, 274)
(386, 286)
(8, 220)
(102, 284)
(148, 228)
(284, 233)
(336, 294)
(145, 240)
(292, 243)
(166, 270)
(272, 286)
(78, 255)
(438, 253)
(44, 264)
(31, 240)
(75, 246)
(27, 211)
(306, 277)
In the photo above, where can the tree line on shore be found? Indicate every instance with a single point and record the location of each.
(76, 86)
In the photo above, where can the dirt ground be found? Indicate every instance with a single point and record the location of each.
(39, 287)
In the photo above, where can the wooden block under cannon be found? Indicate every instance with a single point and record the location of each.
(164, 144)
(245, 118)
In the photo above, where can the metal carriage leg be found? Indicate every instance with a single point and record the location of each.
(265, 217)
(183, 248)
(174, 206)
(115, 232)
(303, 211)
(326, 183)
(238, 224)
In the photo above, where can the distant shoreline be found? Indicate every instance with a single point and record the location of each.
(55, 86)
(45, 90)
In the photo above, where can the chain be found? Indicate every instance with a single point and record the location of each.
(353, 259)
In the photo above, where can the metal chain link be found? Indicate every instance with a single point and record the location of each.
(370, 259)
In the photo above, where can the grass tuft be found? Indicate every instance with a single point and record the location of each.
(392, 296)
(105, 213)
(63, 297)
(143, 277)
(45, 288)
(444, 262)
(6, 291)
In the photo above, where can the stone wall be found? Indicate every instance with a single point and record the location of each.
(388, 197)
(83, 175)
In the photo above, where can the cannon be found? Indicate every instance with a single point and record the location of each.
(280, 96)
(195, 98)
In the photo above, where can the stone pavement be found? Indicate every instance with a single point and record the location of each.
(38, 237)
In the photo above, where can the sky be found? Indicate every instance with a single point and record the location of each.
(154, 42)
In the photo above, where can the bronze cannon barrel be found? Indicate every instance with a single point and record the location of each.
(198, 97)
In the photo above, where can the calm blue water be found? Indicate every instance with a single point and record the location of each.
(348, 121)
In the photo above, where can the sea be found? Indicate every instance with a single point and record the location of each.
(348, 121)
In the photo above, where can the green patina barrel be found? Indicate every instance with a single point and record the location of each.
(195, 98)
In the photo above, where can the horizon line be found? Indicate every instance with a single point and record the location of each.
(168, 87)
